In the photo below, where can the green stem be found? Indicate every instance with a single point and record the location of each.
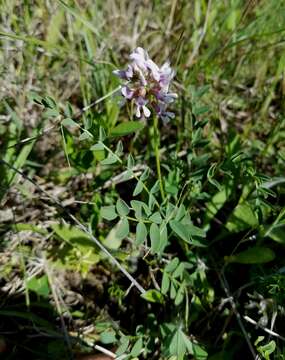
(156, 143)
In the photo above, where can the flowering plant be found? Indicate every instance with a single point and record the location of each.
(147, 85)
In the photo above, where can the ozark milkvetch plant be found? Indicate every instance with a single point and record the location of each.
(147, 85)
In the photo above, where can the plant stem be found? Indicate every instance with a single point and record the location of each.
(156, 143)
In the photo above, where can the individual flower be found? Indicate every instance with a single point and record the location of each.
(147, 85)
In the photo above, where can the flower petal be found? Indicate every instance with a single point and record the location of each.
(138, 111)
(146, 111)
(127, 92)
(120, 73)
(154, 69)
(140, 57)
(129, 72)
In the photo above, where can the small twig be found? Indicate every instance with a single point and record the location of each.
(273, 319)
(105, 351)
(271, 332)
(40, 134)
(87, 107)
(80, 225)
(153, 279)
(109, 353)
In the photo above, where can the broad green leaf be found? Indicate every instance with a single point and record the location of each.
(39, 285)
(137, 207)
(258, 340)
(112, 241)
(277, 233)
(123, 229)
(97, 147)
(156, 218)
(173, 291)
(78, 239)
(194, 349)
(180, 295)
(146, 208)
(119, 149)
(111, 159)
(163, 237)
(154, 234)
(141, 233)
(84, 136)
(195, 231)
(141, 209)
(180, 213)
(165, 283)
(179, 270)
(188, 232)
(122, 207)
(242, 218)
(153, 296)
(71, 234)
(254, 255)
(131, 162)
(87, 121)
(78, 253)
(216, 203)
(155, 188)
(196, 235)
(177, 345)
(124, 344)
(145, 174)
(170, 267)
(126, 128)
(267, 349)
(109, 212)
(138, 188)
(170, 210)
(69, 122)
(180, 344)
(127, 175)
(151, 201)
(137, 347)
(102, 325)
(102, 134)
(180, 230)
(108, 337)
(99, 151)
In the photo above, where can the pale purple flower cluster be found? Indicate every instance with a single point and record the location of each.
(147, 85)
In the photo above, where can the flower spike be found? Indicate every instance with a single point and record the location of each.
(147, 85)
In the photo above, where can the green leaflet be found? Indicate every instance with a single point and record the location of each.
(254, 255)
